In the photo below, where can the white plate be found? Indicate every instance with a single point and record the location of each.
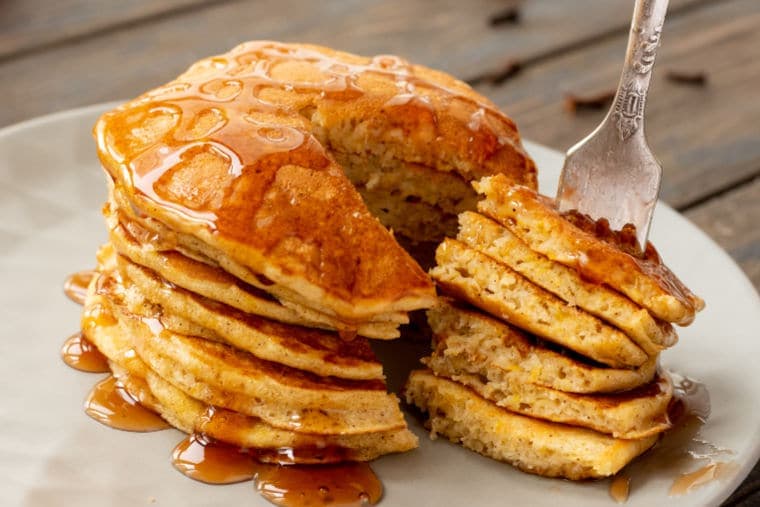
(51, 453)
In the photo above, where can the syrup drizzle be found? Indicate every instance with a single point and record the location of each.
(79, 353)
(287, 485)
(75, 286)
(110, 404)
(237, 100)
(346, 485)
(686, 483)
(211, 461)
(619, 488)
(682, 446)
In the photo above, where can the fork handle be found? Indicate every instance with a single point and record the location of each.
(627, 111)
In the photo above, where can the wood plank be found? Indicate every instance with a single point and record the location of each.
(447, 34)
(706, 137)
(31, 24)
(731, 219)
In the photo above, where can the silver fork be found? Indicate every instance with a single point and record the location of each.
(612, 173)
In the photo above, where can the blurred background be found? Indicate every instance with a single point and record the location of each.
(552, 65)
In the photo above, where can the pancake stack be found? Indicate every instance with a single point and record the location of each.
(246, 268)
(323, 400)
(545, 352)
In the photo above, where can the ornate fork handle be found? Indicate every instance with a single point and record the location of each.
(643, 41)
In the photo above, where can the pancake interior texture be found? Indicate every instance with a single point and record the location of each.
(486, 283)
(250, 256)
(464, 336)
(499, 243)
(532, 445)
(645, 280)
(540, 359)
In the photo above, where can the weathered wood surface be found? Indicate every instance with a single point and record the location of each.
(63, 54)
(732, 219)
(448, 34)
(707, 137)
(33, 25)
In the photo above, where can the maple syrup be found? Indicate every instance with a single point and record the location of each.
(685, 483)
(345, 485)
(211, 461)
(682, 446)
(281, 483)
(619, 488)
(109, 403)
(75, 286)
(80, 353)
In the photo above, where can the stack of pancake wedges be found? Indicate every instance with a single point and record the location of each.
(249, 257)
(545, 350)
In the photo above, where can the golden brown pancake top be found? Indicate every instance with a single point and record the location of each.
(237, 152)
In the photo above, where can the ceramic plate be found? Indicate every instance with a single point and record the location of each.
(52, 453)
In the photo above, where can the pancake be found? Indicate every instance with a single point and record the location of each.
(465, 336)
(632, 414)
(498, 242)
(180, 311)
(252, 433)
(532, 445)
(308, 349)
(283, 397)
(226, 377)
(577, 244)
(480, 280)
(190, 415)
(158, 237)
(236, 153)
(214, 283)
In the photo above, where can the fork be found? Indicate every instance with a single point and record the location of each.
(612, 173)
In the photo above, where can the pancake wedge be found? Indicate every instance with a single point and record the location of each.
(633, 414)
(283, 397)
(646, 280)
(253, 433)
(155, 235)
(496, 241)
(308, 349)
(214, 283)
(532, 445)
(465, 336)
(494, 287)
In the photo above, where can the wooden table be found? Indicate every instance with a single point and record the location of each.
(528, 57)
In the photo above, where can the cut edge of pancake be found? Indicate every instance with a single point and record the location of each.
(647, 281)
(532, 445)
(190, 415)
(487, 284)
(634, 414)
(465, 334)
(308, 349)
(498, 242)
